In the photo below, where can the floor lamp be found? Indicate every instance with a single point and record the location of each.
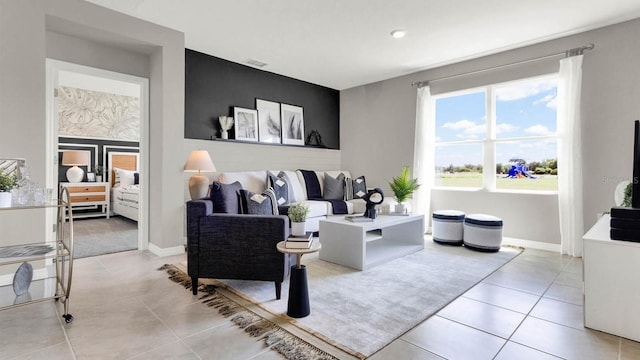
(74, 158)
(199, 161)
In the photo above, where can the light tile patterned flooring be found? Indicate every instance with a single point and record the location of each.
(125, 309)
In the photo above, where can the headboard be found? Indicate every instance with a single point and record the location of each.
(122, 160)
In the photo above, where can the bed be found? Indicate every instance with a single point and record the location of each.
(125, 187)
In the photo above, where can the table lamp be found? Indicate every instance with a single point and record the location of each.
(74, 158)
(199, 161)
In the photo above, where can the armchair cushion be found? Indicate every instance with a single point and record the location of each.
(225, 197)
(258, 204)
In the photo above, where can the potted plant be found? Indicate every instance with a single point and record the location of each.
(403, 187)
(298, 215)
(7, 183)
(98, 171)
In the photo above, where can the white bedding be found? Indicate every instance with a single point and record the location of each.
(125, 199)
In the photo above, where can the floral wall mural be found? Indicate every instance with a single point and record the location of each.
(98, 115)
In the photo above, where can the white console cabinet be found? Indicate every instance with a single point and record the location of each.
(611, 282)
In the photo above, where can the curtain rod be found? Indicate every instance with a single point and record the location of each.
(567, 53)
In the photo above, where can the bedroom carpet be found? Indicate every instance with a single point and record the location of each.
(100, 236)
(361, 311)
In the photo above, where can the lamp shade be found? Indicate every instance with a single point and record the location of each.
(199, 161)
(74, 157)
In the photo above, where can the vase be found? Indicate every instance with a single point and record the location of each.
(400, 208)
(297, 228)
(224, 134)
(5, 199)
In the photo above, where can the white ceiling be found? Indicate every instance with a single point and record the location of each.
(346, 43)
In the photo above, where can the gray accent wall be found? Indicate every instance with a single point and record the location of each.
(378, 123)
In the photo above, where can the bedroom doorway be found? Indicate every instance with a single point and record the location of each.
(103, 115)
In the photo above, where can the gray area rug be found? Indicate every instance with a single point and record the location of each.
(362, 311)
(93, 237)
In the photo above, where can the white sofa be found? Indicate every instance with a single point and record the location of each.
(256, 181)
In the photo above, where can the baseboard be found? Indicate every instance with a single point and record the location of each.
(170, 251)
(524, 243)
(532, 244)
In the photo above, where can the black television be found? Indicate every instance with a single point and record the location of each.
(635, 188)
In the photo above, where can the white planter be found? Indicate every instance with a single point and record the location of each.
(5, 199)
(297, 228)
(400, 208)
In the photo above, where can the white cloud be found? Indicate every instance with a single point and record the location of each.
(505, 128)
(467, 129)
(521, 91)
(462, 124)
(550, 101)
(538, 130)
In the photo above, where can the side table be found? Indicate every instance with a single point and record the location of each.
(298, 303)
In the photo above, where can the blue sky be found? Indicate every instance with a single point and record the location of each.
(522, 109)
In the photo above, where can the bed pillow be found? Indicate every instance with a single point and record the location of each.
(258, 204)
(359, 187)
(333, 187)
(123, 177)
(225, 197)
(280, 185)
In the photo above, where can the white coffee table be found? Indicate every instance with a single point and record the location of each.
(362, 245)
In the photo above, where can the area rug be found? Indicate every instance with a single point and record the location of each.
(94, 237)
(362, 311)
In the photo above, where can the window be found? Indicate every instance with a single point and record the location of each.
(502, 136)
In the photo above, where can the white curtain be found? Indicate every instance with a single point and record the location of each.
(424, 152)
(570, 156)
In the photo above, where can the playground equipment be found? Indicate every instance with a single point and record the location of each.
(518, 170)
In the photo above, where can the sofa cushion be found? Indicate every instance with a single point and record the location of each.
(333, 187)
(359, 187)
(258, 204)
(318, 208)
(280, 185)
(225, 197)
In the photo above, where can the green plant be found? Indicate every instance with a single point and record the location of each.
(403, 186)
(628, 190)
(7, 182)
(298, 212)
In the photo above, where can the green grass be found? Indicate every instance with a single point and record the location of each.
(540, 183)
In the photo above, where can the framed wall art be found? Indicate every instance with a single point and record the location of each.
(292, 124)
(268, 121)
(246, 124)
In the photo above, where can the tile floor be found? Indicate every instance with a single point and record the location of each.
(125, 309)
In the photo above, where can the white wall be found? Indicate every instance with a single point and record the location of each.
(379, 120)
(24, 43)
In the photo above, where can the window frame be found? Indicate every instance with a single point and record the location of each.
(490, 140)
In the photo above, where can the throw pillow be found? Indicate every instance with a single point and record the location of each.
(258, 204)
(225, 198)
(123, 177)
(359, 187)
(333, 187)
(280, 185)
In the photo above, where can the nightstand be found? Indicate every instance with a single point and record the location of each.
(87, 194)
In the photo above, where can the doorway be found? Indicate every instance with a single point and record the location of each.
(104, 115)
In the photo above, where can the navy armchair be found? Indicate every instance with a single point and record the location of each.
(235, 246)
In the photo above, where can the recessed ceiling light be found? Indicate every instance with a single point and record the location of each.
(398, 34)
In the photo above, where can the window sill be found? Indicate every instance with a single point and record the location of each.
(497, 191)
